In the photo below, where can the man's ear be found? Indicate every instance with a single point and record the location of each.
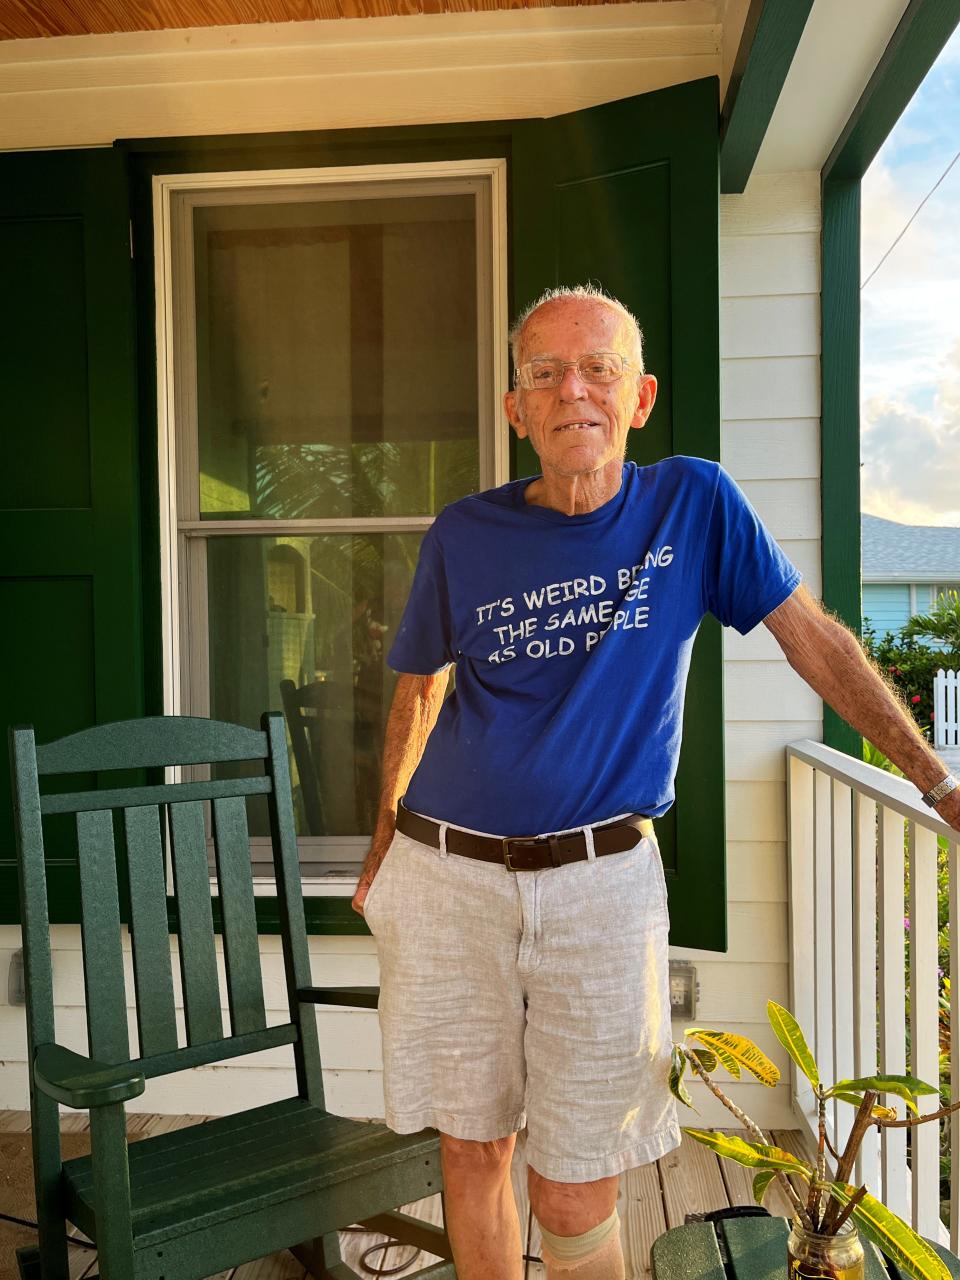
(511, 406)
(646, 395)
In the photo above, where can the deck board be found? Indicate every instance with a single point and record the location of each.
(651, 1199)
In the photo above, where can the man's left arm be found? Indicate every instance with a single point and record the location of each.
(832, 661)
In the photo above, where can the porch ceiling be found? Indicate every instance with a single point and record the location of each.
(24, 19)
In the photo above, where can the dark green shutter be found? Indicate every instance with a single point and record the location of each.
(627, 195)
(69, 532)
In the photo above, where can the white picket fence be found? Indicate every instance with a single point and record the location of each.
(946, 709)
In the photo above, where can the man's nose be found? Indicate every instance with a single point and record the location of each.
(572, 386)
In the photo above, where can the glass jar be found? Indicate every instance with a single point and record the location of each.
(811, 1256)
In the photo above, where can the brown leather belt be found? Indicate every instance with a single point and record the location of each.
(528, 853)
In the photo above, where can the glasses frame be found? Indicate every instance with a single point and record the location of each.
(521, 375)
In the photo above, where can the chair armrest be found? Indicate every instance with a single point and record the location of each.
(358, 997)
(81, 1082)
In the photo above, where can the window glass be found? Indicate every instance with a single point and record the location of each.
(300, 625)
(336, 357)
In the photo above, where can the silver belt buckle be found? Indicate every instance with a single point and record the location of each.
(507, 841)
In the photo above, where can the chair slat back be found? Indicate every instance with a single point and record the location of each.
(297, 703)
(146, 810)
(240, 946)
(198, 952)
(150, 931)
(102, 947)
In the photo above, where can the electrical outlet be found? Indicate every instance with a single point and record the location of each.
(15, 989)
(684, 989)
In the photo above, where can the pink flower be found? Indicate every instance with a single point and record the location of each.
(915, 698)
(906, 923)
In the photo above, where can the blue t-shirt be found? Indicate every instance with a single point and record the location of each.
(572, 638)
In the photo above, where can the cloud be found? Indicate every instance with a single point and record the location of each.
(911, 458)
(910, 354)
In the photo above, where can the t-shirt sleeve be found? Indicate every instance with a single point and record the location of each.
(745, 573)
(423, 644)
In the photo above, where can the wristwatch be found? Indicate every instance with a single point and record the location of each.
(943, 788)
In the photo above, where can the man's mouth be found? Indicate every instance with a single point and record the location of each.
(579, 425)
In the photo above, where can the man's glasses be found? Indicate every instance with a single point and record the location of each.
(595, 366)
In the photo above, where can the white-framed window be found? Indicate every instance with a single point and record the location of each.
(331, 362)
(941, 591)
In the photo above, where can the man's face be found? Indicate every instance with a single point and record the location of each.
(579, 427)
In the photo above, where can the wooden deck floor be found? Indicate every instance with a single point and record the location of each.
(652, 1199)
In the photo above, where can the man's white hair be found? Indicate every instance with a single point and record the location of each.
(591, 291)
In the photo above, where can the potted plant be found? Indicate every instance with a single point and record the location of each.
(824, 1240)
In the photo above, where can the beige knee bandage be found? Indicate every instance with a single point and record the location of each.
(593, 1255)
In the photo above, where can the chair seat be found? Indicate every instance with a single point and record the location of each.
(753, 1249)
(240, 1163)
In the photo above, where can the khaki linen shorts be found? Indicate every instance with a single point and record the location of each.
(528, 997)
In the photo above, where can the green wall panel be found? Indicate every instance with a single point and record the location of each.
(627, 195)
(69, 495)
(43, 340)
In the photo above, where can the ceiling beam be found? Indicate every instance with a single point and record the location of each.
(770, 37)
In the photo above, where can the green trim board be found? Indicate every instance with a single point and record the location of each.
(923, 30)
(915, 45)
(771, 34)
(604, 164)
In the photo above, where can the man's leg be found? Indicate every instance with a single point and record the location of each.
(580, 1227)
(482, 1220)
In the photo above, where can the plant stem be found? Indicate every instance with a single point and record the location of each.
(850, 1206)
(757, 1133)
(861, 1122)
(932, 1115)
(816, 1187)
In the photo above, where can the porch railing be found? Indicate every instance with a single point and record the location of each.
(946, 708)
(853, 831)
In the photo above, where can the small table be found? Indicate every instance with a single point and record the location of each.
(756, 1249)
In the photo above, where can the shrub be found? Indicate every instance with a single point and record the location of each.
(910, 666)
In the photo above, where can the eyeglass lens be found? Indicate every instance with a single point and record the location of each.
(596, 366)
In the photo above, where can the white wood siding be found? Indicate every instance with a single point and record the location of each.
(770, 443)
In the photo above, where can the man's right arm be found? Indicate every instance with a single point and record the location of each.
(413, 713)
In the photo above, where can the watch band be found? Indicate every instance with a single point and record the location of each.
(943, 788)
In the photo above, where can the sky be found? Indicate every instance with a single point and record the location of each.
(910, 311)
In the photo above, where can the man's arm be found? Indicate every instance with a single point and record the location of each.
(832, 661)
(413, 713)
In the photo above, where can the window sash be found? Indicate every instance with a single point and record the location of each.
(183, 533)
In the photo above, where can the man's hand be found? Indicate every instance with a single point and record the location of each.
(832, 661)
(378, 851)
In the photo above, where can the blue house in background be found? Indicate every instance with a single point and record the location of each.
(904, 568)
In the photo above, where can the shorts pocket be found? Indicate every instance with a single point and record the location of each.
(377, 882)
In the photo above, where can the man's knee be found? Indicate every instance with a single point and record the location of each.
(470, 1158)
(569, 1208)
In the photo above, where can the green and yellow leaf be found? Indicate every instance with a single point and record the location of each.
(910, 1252)
(707, 1059)
(726, 1060)
(678, 1064)
(787, 1030)
(727, 1045)
(755, 1155)
(761, 1181)
(904, 1087)
(856, 1099)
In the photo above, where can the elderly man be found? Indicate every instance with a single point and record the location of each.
(526, 981)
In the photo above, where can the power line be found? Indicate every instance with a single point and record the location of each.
(912, 216)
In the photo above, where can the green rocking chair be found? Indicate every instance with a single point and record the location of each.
(183, 1205)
